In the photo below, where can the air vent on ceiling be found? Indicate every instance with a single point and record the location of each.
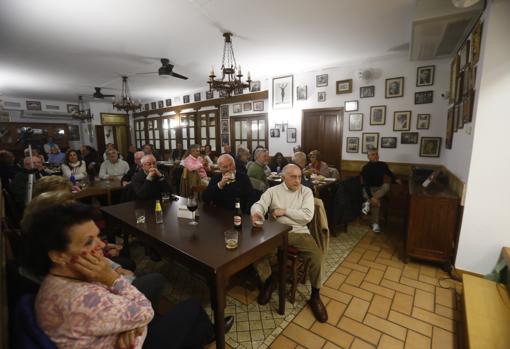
(44, 114)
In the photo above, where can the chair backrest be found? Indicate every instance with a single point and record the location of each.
(258, 185)
(334, 173)
(189, 179)
(27, 333)
(319, 226)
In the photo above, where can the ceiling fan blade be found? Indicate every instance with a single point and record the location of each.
(179, 76)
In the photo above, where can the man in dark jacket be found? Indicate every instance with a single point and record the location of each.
(225, 187)
(149, 183)
(126, 179)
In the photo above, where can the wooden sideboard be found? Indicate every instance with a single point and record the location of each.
(431, 224)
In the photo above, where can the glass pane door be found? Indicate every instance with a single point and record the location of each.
(249, 131)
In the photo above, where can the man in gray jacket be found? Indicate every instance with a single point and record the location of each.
(293, 204)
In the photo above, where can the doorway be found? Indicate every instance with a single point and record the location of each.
(249, 131)
(322, 130)
(114, 129)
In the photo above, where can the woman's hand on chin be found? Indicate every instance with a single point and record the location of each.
(95, 268)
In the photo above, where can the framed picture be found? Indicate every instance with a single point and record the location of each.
(225, 138)
(423, 97)
(423, 121)
(247, 106)
(255, 86)
(402, 120)
(409, 138)
(430, 147)
(476, 39)
(351, 105)
(154, 105)
(321, 96)
(185, 99)
(161, 104)
(237, 108)
(394, 87)
(168, 102)
(425, 75)
(464, 54)
(344, 86)
(352, 145)
(291, 135)
(460, 117)
(71, 108)
(209, 94)
(224, 112)
(448, 140)
(36, 105)
(223, 94)
(74, 132)
(197, 97)
(455, 118)
(388, 142)
(238, 91)
(468, 107)
(356, 122)
(366, 91)
(378, 115)
(321, 80)
(274, 133)
(301, 93)
(258, 106)
(369, 141)
(282, 92)
(146, 106)
(224, 126)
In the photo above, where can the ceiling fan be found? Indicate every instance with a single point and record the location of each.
(166, 69)
(99, 94)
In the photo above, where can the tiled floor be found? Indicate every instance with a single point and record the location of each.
(374, 300)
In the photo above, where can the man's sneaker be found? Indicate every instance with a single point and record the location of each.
(376, 228)
(366, 207)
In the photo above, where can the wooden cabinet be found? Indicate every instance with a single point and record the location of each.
(431, 223)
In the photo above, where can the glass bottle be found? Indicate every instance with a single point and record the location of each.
(158, 212)
(238, 215)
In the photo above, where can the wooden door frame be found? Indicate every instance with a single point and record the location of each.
(248, 117)
(337, 110)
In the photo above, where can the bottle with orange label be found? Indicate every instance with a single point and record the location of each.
(238, 215)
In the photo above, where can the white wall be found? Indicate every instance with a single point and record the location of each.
(485, 227)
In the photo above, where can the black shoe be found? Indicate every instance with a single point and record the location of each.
(266, 291)
(318, 309)
(229, 322)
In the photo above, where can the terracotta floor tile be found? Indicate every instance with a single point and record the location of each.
(428, 280)
(374, 276)
(385, 253)
(393, 274)
(446, 297)
(386, 326)
(434, 319)
(442, 339)
(424, 300)
(360, 330)
(283, 342)
(335, 280)
(370, 255)
(335, 311)
(354, 257)
(343, 270)
(380, 306)
(335, 294)
(333, 334)
(357, 309)
(417, 341)
(417, 284)
(305, 318)
(376, 289)
(373, 265)
(359, 249)
(390, 263)
(446, 312)
(355, 266)
(359, 344)
(428, 270)
(356, 292)
(388, 342)
(411, 323)
(410, 272)
(303, 337)
(398, 287)
(330, 345)
(355, 278)
(369, 247)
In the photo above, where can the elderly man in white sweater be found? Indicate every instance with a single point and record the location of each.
(293, 204)
(113, 167)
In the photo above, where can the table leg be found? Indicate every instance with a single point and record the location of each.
(217, 288)
(282, 263)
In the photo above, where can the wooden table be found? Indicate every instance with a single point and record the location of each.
(99, 188)
(202, 247)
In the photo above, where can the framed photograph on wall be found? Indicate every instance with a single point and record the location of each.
(161, 104)
(237, 108)
(255, 86)
(409, 138)
(224, 112)
(402, 120)
(351, 105)
(146, 106)
(425, 75)
(321, 80)
(258, 106)
(224, 126)
(476, 39)
(225, 138)
(448, 140)
(356, 122)
(301, 93)
(378, 115)
(352, 145)
(394, 87)
(423, 97)
(291, 135)
(430, 147)
(71, 108)
(274, 133)
(369, 141)
(209, 94)
(454, 72)
(185, 99)
(168, 102)
(464, 54)
(282, 92)
(247, 106)
(344, 86)
(197, 97)
(388, 142)
(74, 132)
(321, 96)
(36, 105)
(366, 91)
(423, 121)
(154, 105)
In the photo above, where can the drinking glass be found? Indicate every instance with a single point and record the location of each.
(165, 196)
(231, 239)
(192, 205)
(140, 215)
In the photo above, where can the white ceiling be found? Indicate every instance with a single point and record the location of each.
(54, 49)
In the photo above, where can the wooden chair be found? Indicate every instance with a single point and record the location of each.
(189, 180)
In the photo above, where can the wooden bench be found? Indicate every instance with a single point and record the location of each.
(487, 312)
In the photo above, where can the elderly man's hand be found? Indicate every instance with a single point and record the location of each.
(256, 217)
(154, 172)
(278, 212)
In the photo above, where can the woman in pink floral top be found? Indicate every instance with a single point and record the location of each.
(194, 162)
(84, 303)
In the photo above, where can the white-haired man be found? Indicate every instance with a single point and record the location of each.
(137, 157)
(293, 204)
(149, 183)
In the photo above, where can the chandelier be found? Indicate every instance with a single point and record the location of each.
(126, 102)
(81, 113)
(230, 72)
